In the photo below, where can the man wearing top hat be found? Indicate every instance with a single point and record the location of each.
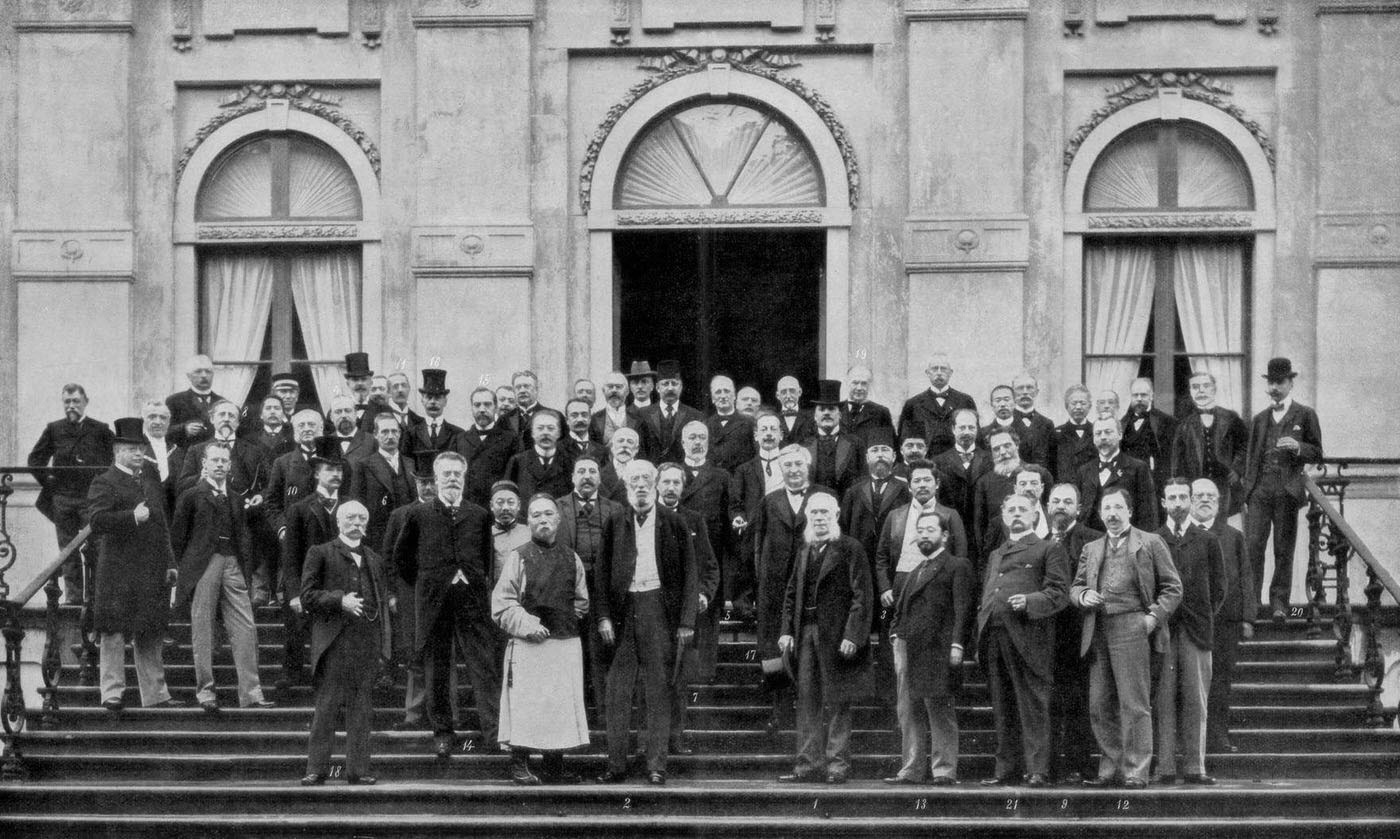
(308, 522)
(436, 434)
(135, 570)
(357, 380)
(662, 422)
(487, 445)
(1282, 438)
(641, 381)
(189, 409)
(836, 457)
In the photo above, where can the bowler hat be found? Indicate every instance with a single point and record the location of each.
(357, 364)
(879, 437)
(434, 382)
(285, 377)
(1280, 369)
(669, 369)
(828, 392)
(130, 430)
(327, 453)
(912, 430)
(641, 370)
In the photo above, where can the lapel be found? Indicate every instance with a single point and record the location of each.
(1217, 429)
(843, 452)
(926, 572)
(830, 558)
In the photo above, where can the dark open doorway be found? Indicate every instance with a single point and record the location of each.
(742, 302)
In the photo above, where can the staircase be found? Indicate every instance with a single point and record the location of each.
(1307, 766)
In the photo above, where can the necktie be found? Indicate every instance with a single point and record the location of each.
(329, 504)
(768, 466)
(668, 413)
(879, 488)
(855, 409)
(642, 518)
(966, 458)
(1105, 471)
(1057, 536)
(545, 461)
(587, 508)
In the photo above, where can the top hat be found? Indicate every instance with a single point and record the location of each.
(423, 464)
(913, 430)
(879, 437)
(130, 430)
(1279, 369)
(669, 369)
(828, 392)
(434, 382)
(327, 452)
(641, 370)
(357, 364)
(285, 377)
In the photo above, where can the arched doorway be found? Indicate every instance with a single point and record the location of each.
(741, 302)
(719, 211)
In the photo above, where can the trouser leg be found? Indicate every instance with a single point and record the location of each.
(67, 521)
(111, 665)
(437, 666)
(811, 728)
(359, 701)
(203, 605)
(479, 641)
(1004, 711)
(1164, 709)
(913, 727)
(148, 652)
(621, 684)
(943, 735)
(1104, 718)
(1193, 689)
(242, 635)
(1224, 652)
(329, 699)
(1131, 652)
(1285, 522)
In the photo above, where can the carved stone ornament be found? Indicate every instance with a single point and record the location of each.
(1172, 220)
(71, 250)
(693, 217)
(254, 97)
(278, 231)
(181, 25)
(824, 17)
(621, 25)
(1141, 87)
(681, 63)
(371, 23)
(967, 240)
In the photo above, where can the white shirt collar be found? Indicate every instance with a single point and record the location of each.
(1283, 406)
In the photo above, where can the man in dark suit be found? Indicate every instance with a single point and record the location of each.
(436, 434)
(527, 406)
(1148, 432)
(706, 492)
(444, 551)
(75, 440)
(929, 624)
(1026, 583)
(858, 414)
(962, 466)
(543, 467)
(750, 483)
(272, 430)
(1115, 469)
(400, 389)
(836, 457)
(661, 422)
(641, 384)
(307, 523)
(1211, 443)
(1003, 402)
(162, 461)
(624, 448)
(1282, 438)
(798, 424)
(826, 630)
(1035, 428)
(291, 476)
(346, 593)
(648, 590)
(189, 409)
(1072, 735)
(415, 698)
(345, 429)
(286, 388)
(1073, 440)
(731, 433)
(376, 404)
(382, 481)
(358, 378)
(1234, 621)
(867, 504)
(1127, 586)
(486, 444)
(987, 527)
(584, 518)
(934, 407)
(1179, 707)
(214, 546)
(134, 572)
(577, 441)
(615, 412)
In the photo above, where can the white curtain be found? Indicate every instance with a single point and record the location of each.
(326, 293)
(1118, 308)
(238, 297)
(1209, 291)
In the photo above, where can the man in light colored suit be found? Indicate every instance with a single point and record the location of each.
(1128, 587)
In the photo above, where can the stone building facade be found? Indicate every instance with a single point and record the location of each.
(1086, 189)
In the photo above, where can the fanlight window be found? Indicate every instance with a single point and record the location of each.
(1169, 166)
(720, 156)
(279, 176)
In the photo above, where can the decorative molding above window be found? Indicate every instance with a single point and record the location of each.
(1119, 13)
(74, 16)
(1141, 87)
(1167, 221)
(246, 232)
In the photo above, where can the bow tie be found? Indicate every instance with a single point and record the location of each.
(1206, 412)
(585, 506)
(797, 493)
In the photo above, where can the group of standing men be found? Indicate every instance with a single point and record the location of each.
(830, 526)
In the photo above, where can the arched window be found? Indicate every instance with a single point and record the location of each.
(1163, 306)
(292, 307)
(279, 176)
(725, 155)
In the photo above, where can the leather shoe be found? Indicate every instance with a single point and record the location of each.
(112, 704)
(210, 705)
(943, 781)
(263, 703)
(1135, 783)
(835, 779)
(611, 777)
(1165, 780)
(524, 777)
(1199, 780)
(657, 779)
(1100, 781)
(313, 779)
(900, 780)
(680, 747)
(1073, 779)
(1279, 616)
(796, 778)
(171, 703)
(444, 745)
(361, 780)
(998, 781)
(1037, 779)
